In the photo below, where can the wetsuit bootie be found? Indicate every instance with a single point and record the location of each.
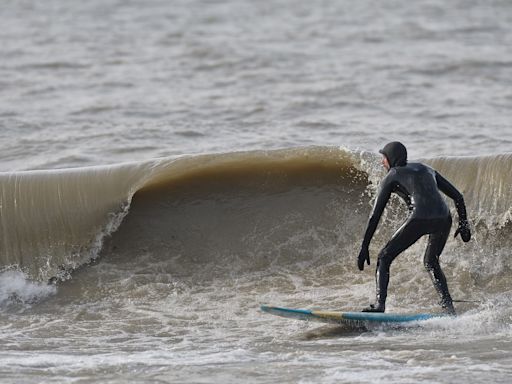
(375, 308)
(448, 308)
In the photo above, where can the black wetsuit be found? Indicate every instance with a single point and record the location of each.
(418, 185)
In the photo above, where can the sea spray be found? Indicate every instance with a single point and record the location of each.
(16, 288)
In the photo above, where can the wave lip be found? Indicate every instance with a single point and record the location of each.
(57, 219)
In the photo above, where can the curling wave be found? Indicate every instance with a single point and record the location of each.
(235, 212)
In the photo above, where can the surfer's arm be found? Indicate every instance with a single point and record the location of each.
(453, 193)
(385, 190)
(449, 190)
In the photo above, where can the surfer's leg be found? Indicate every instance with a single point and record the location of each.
(406, 235)
(436, 243)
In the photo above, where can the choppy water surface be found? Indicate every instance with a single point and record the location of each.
(267, 209)
(105, 81)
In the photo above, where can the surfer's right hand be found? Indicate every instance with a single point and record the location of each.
(364, 255)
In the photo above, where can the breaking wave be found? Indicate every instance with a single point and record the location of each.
(229, 214)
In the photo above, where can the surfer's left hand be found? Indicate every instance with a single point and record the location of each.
(364, 255)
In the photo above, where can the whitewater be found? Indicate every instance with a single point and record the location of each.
(168, 168)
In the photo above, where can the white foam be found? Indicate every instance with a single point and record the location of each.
(16, 288)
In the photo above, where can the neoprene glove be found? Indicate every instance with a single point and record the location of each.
(464, 231)
(364, 255)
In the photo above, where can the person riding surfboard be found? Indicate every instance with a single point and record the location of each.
(419, 186)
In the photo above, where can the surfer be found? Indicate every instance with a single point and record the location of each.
(418, 185)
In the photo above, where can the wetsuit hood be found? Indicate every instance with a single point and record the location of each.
(396, 153)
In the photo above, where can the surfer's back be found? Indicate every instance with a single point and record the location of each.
(416, 183)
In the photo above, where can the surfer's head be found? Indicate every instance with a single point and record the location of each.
(395, 155)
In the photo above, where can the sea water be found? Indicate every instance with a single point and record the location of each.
(168, 167)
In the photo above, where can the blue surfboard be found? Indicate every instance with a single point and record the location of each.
(348, 317)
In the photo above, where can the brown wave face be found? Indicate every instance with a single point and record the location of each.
(55, 221)
(222, 215)
(304, 214)
(246, 216)
(277, 219)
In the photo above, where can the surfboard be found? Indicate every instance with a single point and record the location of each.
(349, 317)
